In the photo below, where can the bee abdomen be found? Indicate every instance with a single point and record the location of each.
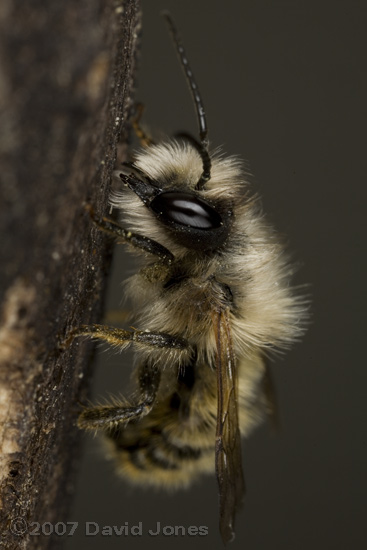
(157, 460)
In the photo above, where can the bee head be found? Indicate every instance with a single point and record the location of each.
(192, 220)
(170, 179)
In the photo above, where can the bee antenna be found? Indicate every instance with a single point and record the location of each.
(203, 129)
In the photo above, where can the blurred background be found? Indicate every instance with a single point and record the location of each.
(284, 86)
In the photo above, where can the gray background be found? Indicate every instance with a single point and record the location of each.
(284, 86)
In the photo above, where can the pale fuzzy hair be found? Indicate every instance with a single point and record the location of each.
(266, 313)
(184, 298)
(252, 406)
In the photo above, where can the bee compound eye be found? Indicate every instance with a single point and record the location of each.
(185, 209)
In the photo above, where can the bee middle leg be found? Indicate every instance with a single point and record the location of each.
(121, 338)
(108, 416)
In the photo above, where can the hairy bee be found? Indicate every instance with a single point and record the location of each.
(212, 298)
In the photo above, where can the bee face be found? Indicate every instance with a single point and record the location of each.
(161, 195)
(193, 222)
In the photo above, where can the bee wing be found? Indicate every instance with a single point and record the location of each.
(271, 406)
(228, 462)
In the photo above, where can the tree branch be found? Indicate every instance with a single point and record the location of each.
(66, 79)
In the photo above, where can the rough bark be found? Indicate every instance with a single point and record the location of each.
(65, 84)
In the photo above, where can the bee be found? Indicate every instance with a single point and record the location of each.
(212, 300)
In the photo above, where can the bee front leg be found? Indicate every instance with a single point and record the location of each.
(144, 138)
(124, 235)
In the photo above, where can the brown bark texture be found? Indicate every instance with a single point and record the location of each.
(66, 78)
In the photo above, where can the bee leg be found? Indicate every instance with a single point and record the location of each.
(143, 137)
(122, 338)
(109, 417)
(126, 236)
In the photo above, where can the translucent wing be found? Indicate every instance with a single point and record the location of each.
(228, 460)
